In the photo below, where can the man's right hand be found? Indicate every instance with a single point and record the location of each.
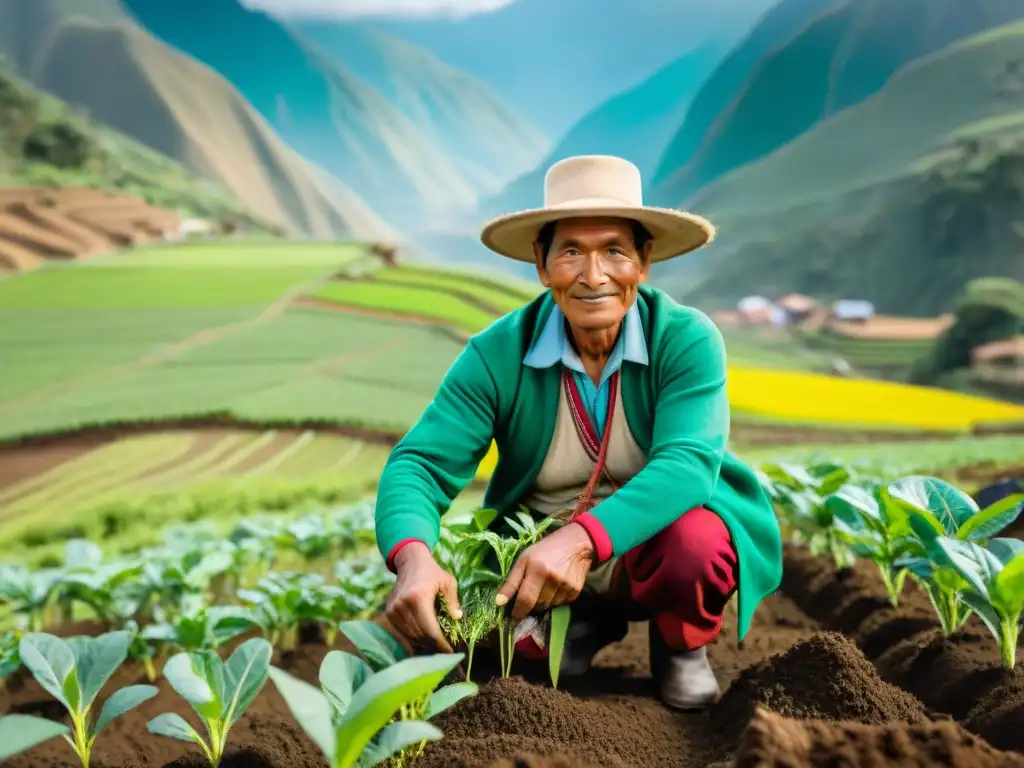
(411, 609)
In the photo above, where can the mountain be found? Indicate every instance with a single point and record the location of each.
(922, 183)
(635, 124)
(91, 54)
(307, 91)
(554, 61)
(844, 53)
(488, 141)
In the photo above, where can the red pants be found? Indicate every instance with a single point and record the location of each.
(681, 579)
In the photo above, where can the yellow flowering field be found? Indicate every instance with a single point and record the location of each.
(814, 398)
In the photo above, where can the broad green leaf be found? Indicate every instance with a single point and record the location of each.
(96, 660)
(341, 674)
(19, 733)
(396, 737)
(919, 566)
(857, 508)
(985, 612)
(187, 674)
(211, 566)
(976, 565)
(380, 697)
(1009, 587)
(50, 661)
(560, 617)
(309, 707)
(374, 643)
(482, 518)
(82, 553)
(447, 697)
(925, 525)
(948, 503)
(121, 701)
(174, 726)
(991, 520)
(833, 481)
(244, 675)
(1005, 549)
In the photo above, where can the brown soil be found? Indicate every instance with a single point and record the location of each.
(830, 675)
(38, 224)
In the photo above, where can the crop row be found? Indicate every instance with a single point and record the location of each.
(176, 461)
(917, 526)
(188, 599)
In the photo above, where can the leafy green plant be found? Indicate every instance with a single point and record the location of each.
(876, 528)
(995, 585)
(381, 650)
(74, 671)
(19, 733)
(204, 629)
(219, 693)
(29, 593)
(936, 508)
(10, 657)
(350, 716)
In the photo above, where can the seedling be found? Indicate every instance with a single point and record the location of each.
(218, 692)
(876, 528)
(74, 671)
(19, 733)
(349, 717)
(995, 585)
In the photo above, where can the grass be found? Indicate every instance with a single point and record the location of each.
(869, 353)
(418, 301)
(500, 297)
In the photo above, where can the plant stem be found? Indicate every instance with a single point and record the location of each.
(893, 585)
(1008, 640)
(501, 646)
(147, 662)
(469, 660)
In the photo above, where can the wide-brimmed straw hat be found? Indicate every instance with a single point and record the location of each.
(597, 186)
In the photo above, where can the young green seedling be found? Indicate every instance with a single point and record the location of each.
(876, 528)
(73, 671)
(19, 733)
(218, 692)
(349, 716)
(937, 508)
(995, 585)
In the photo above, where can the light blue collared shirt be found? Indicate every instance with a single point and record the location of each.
(555, 346)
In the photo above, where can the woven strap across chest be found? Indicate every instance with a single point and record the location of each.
(596, 449)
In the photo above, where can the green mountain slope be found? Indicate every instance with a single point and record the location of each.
(966, 89)
(45, 143)
(922, 183)
(635, 124)
(842, 56)
(125, 78)
(315, 94)
(487, 141)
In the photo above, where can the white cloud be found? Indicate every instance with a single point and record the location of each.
(349, 9)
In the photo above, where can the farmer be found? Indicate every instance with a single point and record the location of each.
(608, 405)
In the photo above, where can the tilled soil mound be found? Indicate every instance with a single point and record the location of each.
(772, 741)
(830, 676)
(825, 677)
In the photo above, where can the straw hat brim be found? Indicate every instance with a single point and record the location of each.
(674, 232)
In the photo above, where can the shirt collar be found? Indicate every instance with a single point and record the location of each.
(553, 345)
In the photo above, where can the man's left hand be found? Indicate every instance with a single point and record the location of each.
(549, 573)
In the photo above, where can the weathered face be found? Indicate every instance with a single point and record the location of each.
(593, 269)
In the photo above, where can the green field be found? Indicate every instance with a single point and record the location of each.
(869, 354)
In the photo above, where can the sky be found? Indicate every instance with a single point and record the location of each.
(395, 9)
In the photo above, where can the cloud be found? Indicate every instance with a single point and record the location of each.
(350, 9)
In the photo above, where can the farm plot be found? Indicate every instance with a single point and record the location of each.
(843, 665)
(302, 365)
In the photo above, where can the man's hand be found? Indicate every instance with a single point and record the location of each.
(411, 608)
(550, 572)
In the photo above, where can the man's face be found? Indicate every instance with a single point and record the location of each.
(593, 270)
